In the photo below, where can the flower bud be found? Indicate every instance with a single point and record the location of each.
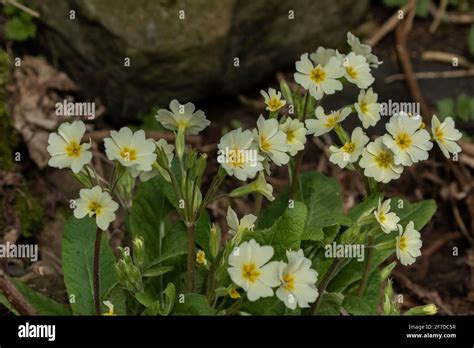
(191, 159)
(258, 186)
(429, 309)
(139, 252)
(215, 241)
(286, 92)
(201, 165)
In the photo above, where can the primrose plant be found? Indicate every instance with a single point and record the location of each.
(301, 254)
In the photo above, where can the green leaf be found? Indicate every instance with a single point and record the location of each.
(20, 30)
(463, 108)
(265, 306)
(330, 304)
(285, 233)
(156, 271)
(193, 304)
(323, 198)
(149, 209)
(77, 261)
(356, 305)
(166, 256)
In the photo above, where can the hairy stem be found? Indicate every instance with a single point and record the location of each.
(296, 174)
(98, 237)
(324, 284)
(190, 229)
(365, 275)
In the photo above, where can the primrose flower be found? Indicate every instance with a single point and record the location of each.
(364, 50)
(446, 135)
(236, 226)
(377, 161)
(271, 140)
(323, 55)
(368, 110)
(388, 221)
(408, 244)
(319, 79)
(131, 149)
(295, 135)
(259, 185)
(408, 142)
(238, 154)
(325, 123)
(273, 99)
(351, 151)
(183, 118)
(298, 281)
(251, 270)
(66, 149)
(357, 70)
(95, 202)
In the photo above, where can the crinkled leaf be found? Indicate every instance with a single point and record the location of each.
(77, 261)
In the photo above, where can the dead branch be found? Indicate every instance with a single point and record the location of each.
(14, 296)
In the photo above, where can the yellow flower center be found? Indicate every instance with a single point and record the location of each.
(182, 124)
(237, 158)
(317, 74)
(289, 282)
(73, 149)
(274, 104)
(290, 136)
(364, 107)
(234, 294)
(382, 217)
(402, 244)
(250, 272)
(439, 134)
(422, 125)
(348, 147)
(95, 208)
(128, 153)
(331, 121)
(264, 144)
(384, 159)
(351, 72)
(403, 140)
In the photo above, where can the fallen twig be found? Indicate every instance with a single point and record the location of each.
(388, 26)
(428, 75)
(439, 15)
(446, 57)
(401, 34)
(21, 7)
(14, 296)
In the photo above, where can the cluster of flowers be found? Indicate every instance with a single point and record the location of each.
(250, 269)
(274, 140)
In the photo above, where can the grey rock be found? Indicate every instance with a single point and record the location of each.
(190, 58)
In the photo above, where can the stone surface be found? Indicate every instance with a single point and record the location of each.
(190, 58)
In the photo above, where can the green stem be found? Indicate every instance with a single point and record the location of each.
(98, 237)
(258, 204)
(365, 275)
(323, 285)
(190, 229)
